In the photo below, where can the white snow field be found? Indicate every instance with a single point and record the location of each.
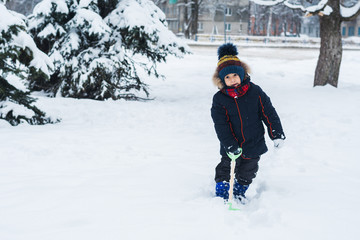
(116, 170)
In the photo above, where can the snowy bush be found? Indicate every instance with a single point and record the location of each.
(101, 48)
(20, 60)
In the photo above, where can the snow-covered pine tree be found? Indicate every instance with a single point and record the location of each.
(143, 31)
(77, 39)
(101, 48)
(20, 60)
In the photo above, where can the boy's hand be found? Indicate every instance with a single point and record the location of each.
(278, 143)
(234, 150)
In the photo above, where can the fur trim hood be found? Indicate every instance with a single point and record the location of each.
(217, 81)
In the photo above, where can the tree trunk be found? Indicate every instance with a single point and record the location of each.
(328, 66)
(195, 18)
(186, 20)
(269, 23)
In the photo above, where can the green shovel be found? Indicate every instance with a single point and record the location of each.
(233, 158)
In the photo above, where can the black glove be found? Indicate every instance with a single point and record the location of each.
(234, 150)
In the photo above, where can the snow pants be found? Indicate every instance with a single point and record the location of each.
(245, 170)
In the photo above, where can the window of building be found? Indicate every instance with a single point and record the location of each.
(359, 31)
(228, 27)
(351, 31)
(200, 26)
(228, 12)
(215, 30)
(303, 29)
(175, 11)
(173, 25)
(344, 31)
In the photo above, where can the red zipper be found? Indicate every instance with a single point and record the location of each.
(242, 132)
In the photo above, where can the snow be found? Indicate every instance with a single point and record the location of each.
(23, 39)
(328, 10)
(135, 14)
(40, 60)
(86, 17)
(267, 2)
(42, 11)
(351, 11)
(345, 11)
(355, 40)
(294, 5)
(48, 31)
(73, 42)
(15, 81)
(8, 18)
(7, 106)
(44, 7)
(144, 170)
(316, 7)
(85, 3)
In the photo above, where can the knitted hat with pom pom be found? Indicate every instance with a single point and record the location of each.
(229, 62)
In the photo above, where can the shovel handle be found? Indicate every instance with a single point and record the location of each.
(233, 158)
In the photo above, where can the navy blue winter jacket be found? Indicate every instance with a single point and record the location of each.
(239, 121)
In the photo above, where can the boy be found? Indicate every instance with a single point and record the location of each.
(239, 110)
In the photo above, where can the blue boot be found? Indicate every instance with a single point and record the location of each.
(239, 191)
(222, 190)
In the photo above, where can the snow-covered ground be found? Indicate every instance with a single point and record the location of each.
(144, 170)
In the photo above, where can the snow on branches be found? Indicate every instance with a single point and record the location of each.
(102, 49)
(348, 8)
(20, 60)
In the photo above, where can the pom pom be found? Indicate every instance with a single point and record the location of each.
(227, 49)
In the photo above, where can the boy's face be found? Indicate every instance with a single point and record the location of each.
(232, 80)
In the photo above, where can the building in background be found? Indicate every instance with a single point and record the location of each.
(351, 28)
(173, 16)
(214, 17)
(277, 20)
(310, 26)
(228, 17)
(232, 17)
